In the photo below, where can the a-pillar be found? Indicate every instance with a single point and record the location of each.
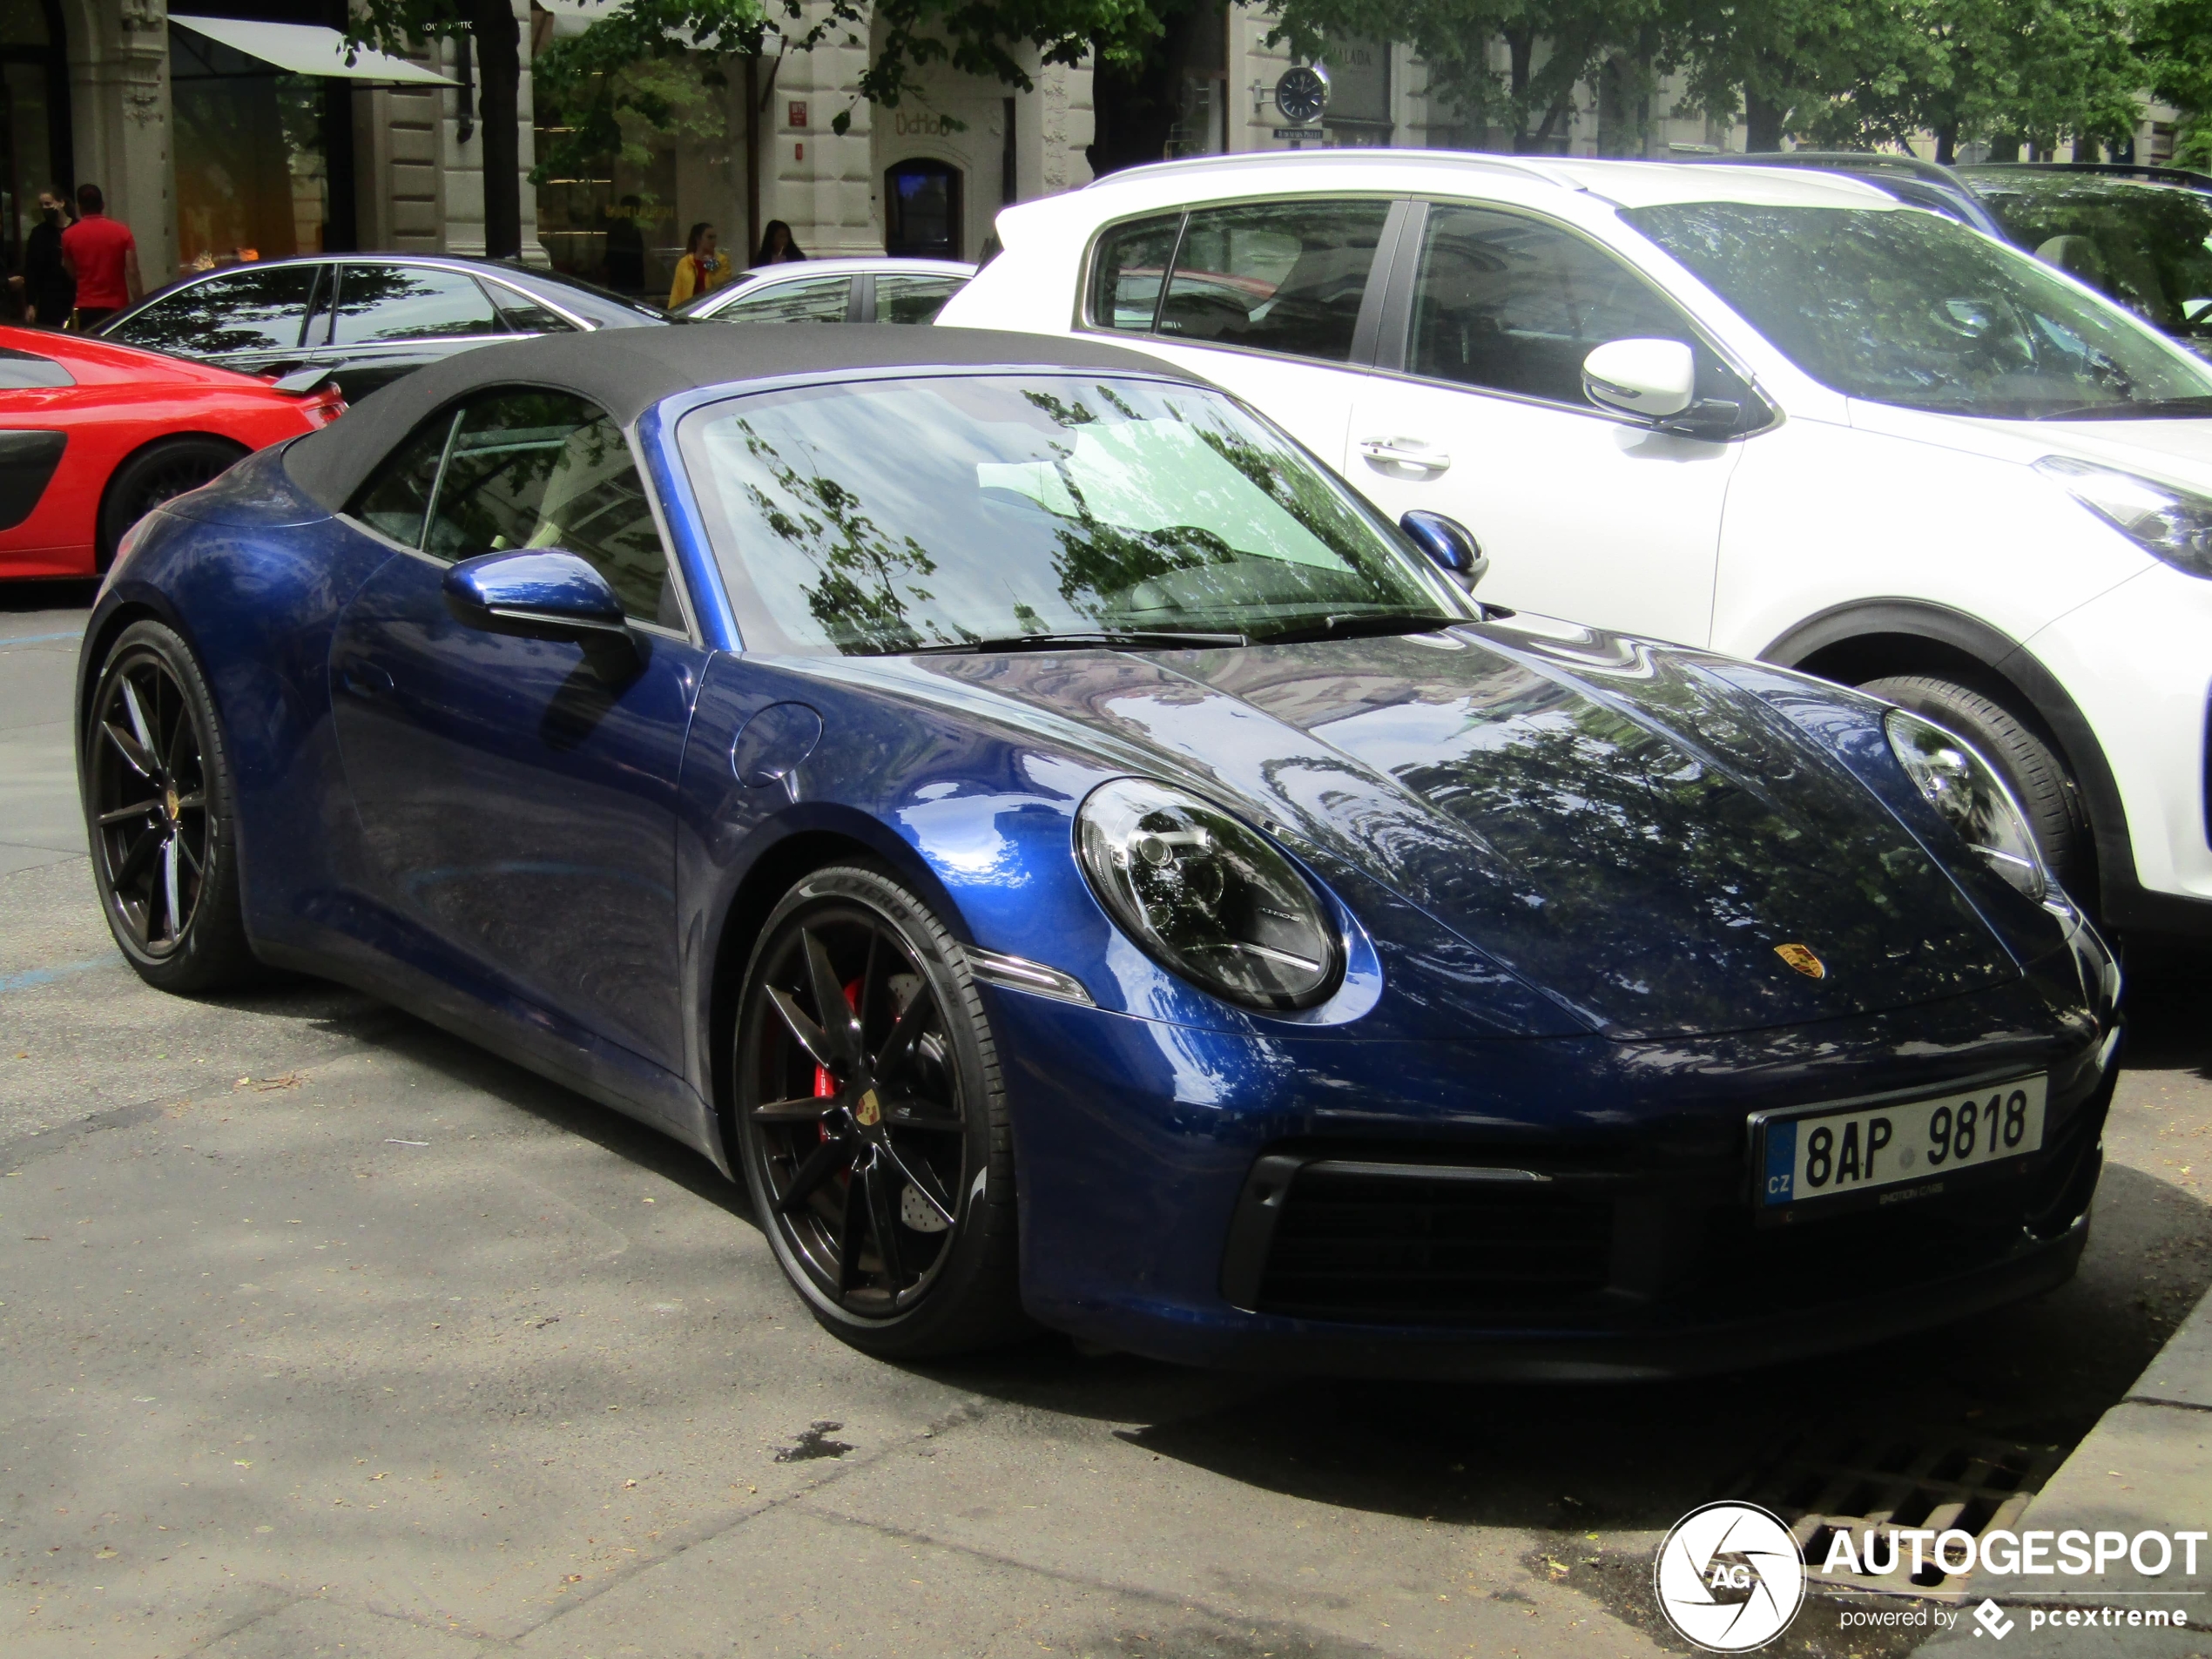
(119, 98)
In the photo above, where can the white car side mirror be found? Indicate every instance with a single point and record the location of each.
(1650, 377)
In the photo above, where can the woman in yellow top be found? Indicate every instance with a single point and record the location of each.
(703, 268)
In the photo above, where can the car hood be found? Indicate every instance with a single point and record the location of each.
(2175, 451)
(1626, 834)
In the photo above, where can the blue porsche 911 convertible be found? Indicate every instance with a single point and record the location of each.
(1078, 866)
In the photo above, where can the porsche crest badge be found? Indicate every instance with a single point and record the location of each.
(1801, 958)
(869, 1111)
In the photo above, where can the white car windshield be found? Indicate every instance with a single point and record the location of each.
(1901, 307)
(944, 512)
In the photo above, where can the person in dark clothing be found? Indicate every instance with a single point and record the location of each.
(626, 248)
(49, 293)
(776, 245)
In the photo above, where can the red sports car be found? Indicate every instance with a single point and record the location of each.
(93, 437)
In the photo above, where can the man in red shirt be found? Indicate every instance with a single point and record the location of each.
(102, 255)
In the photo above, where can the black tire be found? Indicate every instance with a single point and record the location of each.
(2029, 766)
(160, 806)
(876, 1145)
(158, 472)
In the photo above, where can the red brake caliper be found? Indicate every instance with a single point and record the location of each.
(825, 1085)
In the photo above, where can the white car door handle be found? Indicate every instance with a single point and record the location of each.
(1403, 452)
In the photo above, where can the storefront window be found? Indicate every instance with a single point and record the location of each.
(628, 162)
(921, 210)
(30, 66)
(253, 181)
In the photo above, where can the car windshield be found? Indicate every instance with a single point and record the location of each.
(2147, 246)
(902, 515)
(1897, 306)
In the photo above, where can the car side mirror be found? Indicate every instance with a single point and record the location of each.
(537, 593)
(1449, 543)
(1649, 378)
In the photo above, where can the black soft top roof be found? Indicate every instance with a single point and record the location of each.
(626, 371)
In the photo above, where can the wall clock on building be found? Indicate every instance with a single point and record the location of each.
(1303, 92)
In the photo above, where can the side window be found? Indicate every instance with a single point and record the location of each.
(397, 494)
(531, 468)
(398, 302)
(913, 299)
(821, 300)
(238, 311)
(1284, 276)
(1513, 305)
(525, 316)
(1126, 271)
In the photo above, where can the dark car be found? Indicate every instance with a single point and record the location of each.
(1076, 863)
(2141, 236)
(369, 318)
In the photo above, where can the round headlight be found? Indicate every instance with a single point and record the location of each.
(1971, 797)
(1206, 896)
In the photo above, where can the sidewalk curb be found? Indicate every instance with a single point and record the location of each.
(2146, 1467)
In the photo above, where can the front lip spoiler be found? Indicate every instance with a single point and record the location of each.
(1277, 1345)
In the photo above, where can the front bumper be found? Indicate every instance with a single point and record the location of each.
(1306, 1204)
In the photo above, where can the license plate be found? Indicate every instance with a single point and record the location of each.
(1894, 1150)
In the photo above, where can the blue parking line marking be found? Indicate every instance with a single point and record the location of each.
(39, 639)
(32, 978)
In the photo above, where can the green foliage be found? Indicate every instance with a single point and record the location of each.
(2174, 38)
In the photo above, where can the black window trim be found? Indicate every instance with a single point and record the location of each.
(1366, 328)
(1397, 322)
(321, 265)
(689, 633)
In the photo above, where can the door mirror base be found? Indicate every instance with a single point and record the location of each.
(542, 593)
(1652, 380)
(1450, 545)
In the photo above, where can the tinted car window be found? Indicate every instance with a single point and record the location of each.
(529, 469)
(821, 300)
(1274, 276)
(2147, 246)
(1125, 273)
(1513, 305)
(892, 516)
(525, 316)
(252, 310)
(393, 302)
(397, 494)
(913, 299)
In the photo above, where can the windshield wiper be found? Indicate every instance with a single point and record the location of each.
(1354, 624)
(2155, 408)
(1134, 640)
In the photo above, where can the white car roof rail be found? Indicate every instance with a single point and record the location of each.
(1519, 166)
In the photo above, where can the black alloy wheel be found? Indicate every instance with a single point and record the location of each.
(867, 1105)
(157, 801)
(156, 475)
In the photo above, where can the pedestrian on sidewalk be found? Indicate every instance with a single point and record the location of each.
(102, 256)
(703, 267)
(778, 246)
(49, 293)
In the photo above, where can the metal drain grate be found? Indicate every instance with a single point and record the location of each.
(1861, 1483)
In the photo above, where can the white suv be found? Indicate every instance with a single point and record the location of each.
(1781, 414)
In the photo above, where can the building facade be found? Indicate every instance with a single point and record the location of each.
(213, 153)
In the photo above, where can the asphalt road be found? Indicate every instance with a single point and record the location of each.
(321, 1330)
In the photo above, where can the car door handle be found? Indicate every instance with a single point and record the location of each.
(1403, 452)
(367, 680)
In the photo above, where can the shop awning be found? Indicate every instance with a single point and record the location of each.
(308, 49)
